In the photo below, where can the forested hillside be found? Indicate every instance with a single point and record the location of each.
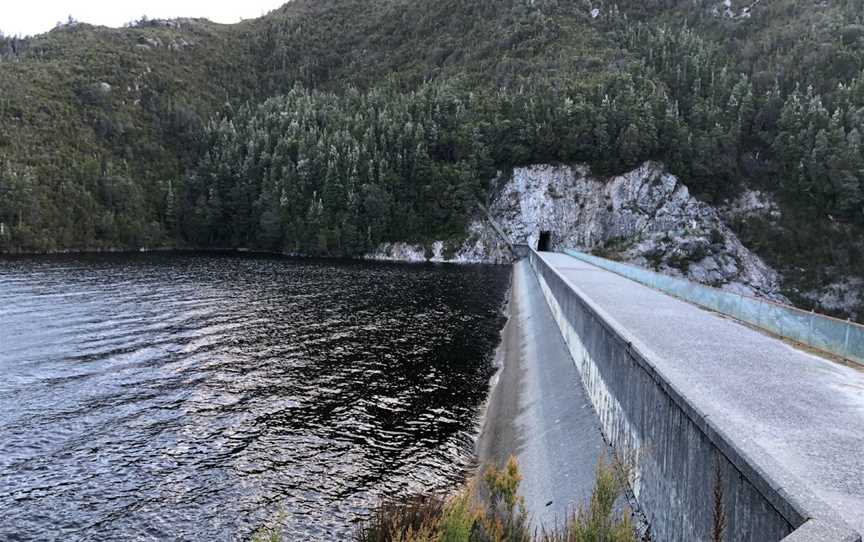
(330, 126)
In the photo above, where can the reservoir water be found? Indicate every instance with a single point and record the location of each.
(198, 397)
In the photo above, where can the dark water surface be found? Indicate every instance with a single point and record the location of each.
(197, 397)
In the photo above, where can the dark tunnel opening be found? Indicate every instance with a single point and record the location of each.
(545, 242)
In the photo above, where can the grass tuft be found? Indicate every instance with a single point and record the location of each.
(490, 510)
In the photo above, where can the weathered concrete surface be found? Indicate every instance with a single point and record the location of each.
(538, 410)
(694, 391)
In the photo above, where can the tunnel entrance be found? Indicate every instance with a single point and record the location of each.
(545, 242)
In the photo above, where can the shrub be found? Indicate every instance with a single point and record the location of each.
(598, 522)
(491, 510)
(417, 519)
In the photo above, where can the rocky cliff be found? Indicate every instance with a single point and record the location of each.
(646, 216)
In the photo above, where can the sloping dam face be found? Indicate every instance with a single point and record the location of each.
(681, 456)
(538, 410)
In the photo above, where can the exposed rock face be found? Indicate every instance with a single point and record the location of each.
(739, 11)
(840, 293)
(435, 252)
(645, 216)
(845, 296)
(749, 204)
(398, 252)
(149, 43)
(179, 44)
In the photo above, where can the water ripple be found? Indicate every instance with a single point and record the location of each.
(191, 397)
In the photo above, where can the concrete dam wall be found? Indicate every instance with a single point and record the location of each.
(680, 455)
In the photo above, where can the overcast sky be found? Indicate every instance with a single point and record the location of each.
(27, 17)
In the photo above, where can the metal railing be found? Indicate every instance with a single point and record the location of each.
(839, 337)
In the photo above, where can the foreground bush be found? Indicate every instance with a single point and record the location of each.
(490, 510)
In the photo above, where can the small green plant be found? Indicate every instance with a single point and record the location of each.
(461, 514)
(267, 534)
(716, 237)
(491, 510)
(655, 257)
(598, 522)
(505, 517)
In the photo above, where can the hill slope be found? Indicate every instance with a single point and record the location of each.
(330, 126)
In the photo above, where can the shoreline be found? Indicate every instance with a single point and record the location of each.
(497, 421)
(237, 251)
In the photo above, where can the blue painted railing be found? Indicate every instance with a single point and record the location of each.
(839, 337)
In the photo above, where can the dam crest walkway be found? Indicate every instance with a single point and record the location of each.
(794, 411)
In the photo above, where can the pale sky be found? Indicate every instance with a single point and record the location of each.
(28, 17)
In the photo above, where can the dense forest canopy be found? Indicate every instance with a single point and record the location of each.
(329, 126)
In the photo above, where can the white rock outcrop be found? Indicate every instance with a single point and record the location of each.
(417, 253)
(843, 296)
(398, 252)
(750, 204)
(646, 216)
